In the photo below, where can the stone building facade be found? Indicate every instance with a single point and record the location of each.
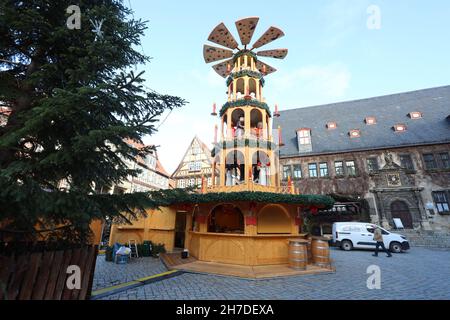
(391, 152)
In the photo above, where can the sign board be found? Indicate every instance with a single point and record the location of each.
(398, 223)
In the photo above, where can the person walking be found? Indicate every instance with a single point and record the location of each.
(378, 237)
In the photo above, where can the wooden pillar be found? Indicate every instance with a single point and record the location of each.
(187, 238)
(246, 85)
(248, 164)
(222, 167)
(258, 91)
(229, 124)
(265, 124)
(247, 112)
(213, 174)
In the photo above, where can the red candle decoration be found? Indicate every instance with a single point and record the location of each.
(276, 113)
(203, 185)
(214, 113)
(280, 139)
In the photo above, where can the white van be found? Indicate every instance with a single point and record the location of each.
(349, 235)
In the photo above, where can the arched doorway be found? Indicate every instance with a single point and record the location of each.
(256, 123)
(234, 168)
(261, 168)
(400, 209)
(238, 123)
(226, 218)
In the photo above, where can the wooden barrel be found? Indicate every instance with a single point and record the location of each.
(320, 252)
(298, 258)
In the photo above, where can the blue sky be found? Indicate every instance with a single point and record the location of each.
(333, 56)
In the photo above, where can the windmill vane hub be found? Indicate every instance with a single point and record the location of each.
(246, 27)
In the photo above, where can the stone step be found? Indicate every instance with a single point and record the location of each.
(426, 238)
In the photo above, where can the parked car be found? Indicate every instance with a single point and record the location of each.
(349, 235)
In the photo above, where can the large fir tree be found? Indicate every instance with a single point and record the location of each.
(70, 99)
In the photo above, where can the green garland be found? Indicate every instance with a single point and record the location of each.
(181, 196)
(243, 103)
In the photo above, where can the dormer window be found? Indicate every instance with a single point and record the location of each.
(370, 120)
(304, 136)
(304, 141)
(415, 115)
(331, 125)
(355, 133)
(399, 127)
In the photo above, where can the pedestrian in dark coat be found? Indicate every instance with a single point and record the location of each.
(378, 237)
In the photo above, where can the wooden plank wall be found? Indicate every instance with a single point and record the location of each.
(43, 275)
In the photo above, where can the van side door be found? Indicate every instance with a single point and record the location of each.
(357, 236)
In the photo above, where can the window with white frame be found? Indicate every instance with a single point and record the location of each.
(304, 136)
(195, 166)
(323, 169)
(297, 171)
(312, 170)
(441, 201)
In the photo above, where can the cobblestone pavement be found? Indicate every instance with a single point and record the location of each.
(108, 274)
(421, 273)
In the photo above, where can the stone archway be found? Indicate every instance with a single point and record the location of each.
(400, 209)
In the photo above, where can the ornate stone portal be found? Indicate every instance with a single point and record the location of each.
(397, 196)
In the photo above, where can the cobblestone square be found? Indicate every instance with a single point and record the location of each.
(421, 273)
(108, 274)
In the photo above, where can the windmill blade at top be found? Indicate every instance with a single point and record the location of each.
(276, 53)
(221, 35)
(272, 34)
(211, 54)
(223, 68)
(264, 68)
(246, 27)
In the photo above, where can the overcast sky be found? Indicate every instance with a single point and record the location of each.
(333, 55)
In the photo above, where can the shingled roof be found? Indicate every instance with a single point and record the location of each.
(389, 110)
